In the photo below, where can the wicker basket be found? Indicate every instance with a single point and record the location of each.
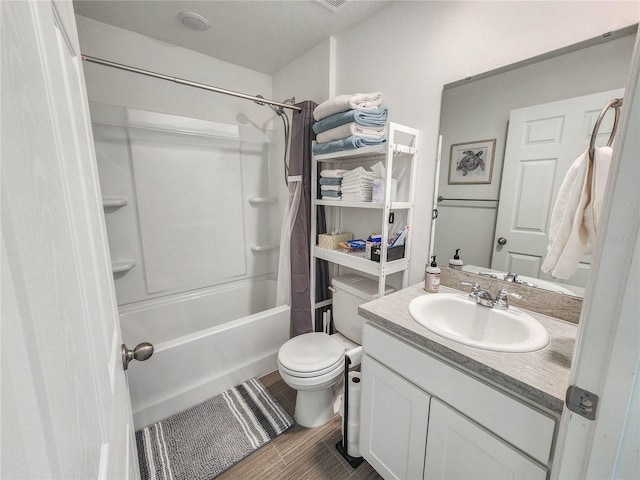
(332, 242)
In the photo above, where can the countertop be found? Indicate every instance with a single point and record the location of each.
(541, 377)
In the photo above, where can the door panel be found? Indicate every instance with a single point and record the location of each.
(458, 448)
(393, 423)
(68, 398)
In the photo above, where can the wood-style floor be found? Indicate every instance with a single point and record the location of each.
(300, 453)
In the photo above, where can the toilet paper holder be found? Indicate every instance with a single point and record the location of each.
(341, 446)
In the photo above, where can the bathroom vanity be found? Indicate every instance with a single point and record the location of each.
(435, 408)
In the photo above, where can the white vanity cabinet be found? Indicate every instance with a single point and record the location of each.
(424, 418)
(460, 448)
(393, 420)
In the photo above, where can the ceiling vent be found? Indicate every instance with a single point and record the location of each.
(332, 5)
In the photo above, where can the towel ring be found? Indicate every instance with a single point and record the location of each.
(616, 103)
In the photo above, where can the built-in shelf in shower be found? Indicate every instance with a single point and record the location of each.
(114, 202)
(121, 266)
(262, 201)
(267, 247)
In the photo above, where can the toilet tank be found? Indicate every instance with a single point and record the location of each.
(352, 290)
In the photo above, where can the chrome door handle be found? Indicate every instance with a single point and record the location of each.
(141, 352)
(502, 241)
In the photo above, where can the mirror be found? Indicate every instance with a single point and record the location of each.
(475, 128)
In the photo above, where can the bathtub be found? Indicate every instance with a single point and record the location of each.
(205, 342)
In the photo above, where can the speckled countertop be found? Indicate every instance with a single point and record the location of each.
(541, 377)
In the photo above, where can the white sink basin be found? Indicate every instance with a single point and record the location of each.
(457, 318)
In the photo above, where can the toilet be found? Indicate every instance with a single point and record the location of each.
(313, 363)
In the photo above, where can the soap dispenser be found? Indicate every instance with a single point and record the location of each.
(456, 261)
(432, 277)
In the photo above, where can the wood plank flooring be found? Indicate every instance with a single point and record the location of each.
(300, 453)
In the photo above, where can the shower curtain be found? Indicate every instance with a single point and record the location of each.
(300, 244)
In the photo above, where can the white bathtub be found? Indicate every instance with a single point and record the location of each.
(205, 343)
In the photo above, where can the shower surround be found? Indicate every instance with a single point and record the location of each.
(193, 218)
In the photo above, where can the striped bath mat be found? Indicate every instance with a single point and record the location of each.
(203, 441)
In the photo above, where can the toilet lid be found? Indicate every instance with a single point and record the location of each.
(310, 353)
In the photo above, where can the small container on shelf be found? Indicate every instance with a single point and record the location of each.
(393, 253)
(332, 241)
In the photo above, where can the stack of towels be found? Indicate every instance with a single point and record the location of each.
(349, 121)
(357, 185)
(331, 183)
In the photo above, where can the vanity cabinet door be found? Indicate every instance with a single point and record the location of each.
(394, 416)
(459, 448)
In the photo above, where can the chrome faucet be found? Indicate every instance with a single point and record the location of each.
(501, 299)
(484, 298)
(513, 278)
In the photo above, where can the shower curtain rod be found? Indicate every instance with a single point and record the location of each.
(189, 83)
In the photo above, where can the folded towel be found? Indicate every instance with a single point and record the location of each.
(357, 172)
(330, 181)
(358, 184)
(349, 143)
(331, 198)
(356, 189)
(356, 198)
(329, 193)
(349, 129)
(366, 118)
(329, 188)
(358, 180)
(341, 103)
(333, 173)
(568, 235)
(367, 193)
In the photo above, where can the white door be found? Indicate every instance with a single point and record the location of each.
(542, 143)
(65, 404)
(607, 357)
(458, 448)
(393, 422)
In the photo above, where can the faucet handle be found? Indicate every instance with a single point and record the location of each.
(475, 286)
(501, 298)
(475, 289)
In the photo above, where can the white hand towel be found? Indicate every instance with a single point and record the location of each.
(342, 103)
(568, 236)
(599, 178)
(348, 129)
(329, 188)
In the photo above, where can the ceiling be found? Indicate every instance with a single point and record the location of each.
(262, 35)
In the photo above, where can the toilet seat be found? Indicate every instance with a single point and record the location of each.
(310, 355)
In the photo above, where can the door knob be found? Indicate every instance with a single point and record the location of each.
(141, 353)
(502, 241)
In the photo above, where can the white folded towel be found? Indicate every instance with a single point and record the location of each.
(357, 174)
(333, 173)
(335, 199)
(357, 191)
(348, 129)
(342, 103)
(576, 214)
(327, 188)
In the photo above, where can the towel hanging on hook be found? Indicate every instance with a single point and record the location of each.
(616, 103)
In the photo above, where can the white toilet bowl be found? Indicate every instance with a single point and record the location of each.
(312, 364)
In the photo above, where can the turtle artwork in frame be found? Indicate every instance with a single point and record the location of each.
(472, 162)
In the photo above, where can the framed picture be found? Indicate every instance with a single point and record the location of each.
(471, 162)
